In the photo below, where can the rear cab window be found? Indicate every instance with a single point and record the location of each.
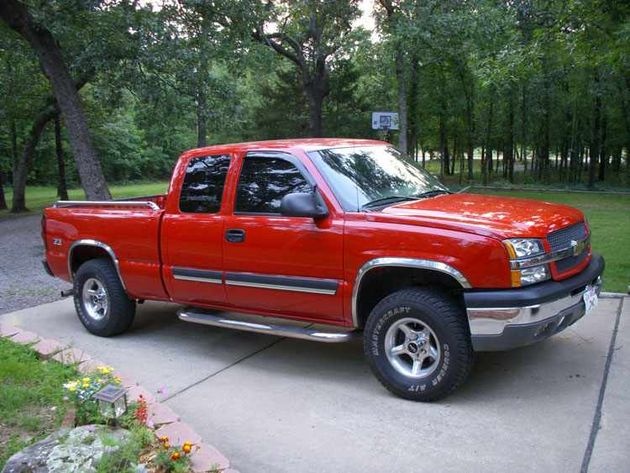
(204, 181)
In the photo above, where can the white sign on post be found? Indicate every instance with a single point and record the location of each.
(384, 121)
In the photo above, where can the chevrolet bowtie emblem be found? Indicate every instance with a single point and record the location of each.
(578, 246)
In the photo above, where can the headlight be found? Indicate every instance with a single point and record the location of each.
(523, 247)
(533, 275)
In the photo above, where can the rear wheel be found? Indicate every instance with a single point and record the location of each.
(418, 345)
(100, 300)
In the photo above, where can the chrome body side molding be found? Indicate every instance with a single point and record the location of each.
(235, 321)
(402, 263)
(106, 203)
(198, 275)
(283, 283)
(97, 244)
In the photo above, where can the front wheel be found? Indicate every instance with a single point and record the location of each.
(418, 345)
(100, 299)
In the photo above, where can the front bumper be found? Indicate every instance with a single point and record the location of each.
(506, 319)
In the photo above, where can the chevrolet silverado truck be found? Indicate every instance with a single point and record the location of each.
(327, 240)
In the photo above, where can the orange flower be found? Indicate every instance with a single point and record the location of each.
(187, 448)
(163, 439)
(175, 455)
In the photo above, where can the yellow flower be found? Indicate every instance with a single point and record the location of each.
(86, 380)
(105, 370)
(71, 386)
(117, 379)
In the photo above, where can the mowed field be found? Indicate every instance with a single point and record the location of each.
(608, 215)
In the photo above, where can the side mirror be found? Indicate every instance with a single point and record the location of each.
(303, 204)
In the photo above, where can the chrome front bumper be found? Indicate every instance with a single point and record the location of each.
(501, 320)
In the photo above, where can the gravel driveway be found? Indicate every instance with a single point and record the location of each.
(23, 281)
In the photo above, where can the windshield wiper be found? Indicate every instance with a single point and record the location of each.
(431, 193)
(387, 200)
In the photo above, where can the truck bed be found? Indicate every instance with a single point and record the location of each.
(128, 228)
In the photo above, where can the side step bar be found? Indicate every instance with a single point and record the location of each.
(229, 320)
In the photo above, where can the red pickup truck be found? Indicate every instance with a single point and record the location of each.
(325, 239)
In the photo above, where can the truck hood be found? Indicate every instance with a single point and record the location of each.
(505, 217)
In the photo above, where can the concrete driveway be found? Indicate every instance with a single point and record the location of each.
(281, 405)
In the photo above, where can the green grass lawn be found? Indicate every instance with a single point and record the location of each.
(609, 218)
(38, 197)
(31, 397)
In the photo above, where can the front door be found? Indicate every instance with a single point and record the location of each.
(291, 266)
(193, 234)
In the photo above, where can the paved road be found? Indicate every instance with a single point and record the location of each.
(23, 282)
(280, 405)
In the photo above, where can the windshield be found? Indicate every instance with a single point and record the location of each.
(370, 176)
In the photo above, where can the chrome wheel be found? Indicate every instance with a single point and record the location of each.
(412, 348)
(95, 299)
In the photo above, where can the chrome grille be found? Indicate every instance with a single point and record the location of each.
(561, 239)
(567, 263)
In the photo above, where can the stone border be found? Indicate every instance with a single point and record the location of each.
(161, 418)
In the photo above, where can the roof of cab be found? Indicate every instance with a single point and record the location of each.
(305, 144)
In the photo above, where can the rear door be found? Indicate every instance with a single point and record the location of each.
(291, 266)
(192, 233)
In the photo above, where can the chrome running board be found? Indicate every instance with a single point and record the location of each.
(232, 320)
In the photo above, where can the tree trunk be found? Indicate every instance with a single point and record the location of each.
(402, 102)
(62, 187)
(14, 153)
(20, 171)
(603, 153)
(508, 155)
(16, 15)
(412, 112)
(316, 107)
(202, 119)
(524, 125)
(595, 138)
(444, 156)
(3, 200)
(543, 150)
(487, 164)
(470, 131)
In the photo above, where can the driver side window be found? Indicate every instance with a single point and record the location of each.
(264, 182)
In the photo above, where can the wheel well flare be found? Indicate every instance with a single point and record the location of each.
(380, 277)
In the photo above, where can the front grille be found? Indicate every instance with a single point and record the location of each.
(561, 239)
(568, 263)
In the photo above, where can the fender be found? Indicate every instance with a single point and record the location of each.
(401, 263)
(97, 244)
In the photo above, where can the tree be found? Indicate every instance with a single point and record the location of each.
(17, 17)
(313, 35)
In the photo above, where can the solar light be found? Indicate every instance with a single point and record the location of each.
(112, 401)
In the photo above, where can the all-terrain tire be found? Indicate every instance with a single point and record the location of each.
(411, 321)
(100, 300)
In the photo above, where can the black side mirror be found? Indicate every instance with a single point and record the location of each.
(303, 204)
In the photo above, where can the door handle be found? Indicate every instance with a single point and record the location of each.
(235, 235)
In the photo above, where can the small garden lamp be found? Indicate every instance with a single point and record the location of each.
(112, 401)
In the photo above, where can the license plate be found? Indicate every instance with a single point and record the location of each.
(590, 298)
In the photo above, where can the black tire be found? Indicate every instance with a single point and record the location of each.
(418, 308)
(120, 312)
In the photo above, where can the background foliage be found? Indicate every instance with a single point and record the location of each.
(523, 91)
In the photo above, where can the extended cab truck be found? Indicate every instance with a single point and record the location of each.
(342, 235)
